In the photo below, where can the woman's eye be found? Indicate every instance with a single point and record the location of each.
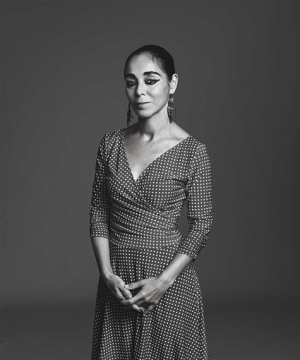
(130, 84)
(151, 81)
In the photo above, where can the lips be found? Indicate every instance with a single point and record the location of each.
(141, 103)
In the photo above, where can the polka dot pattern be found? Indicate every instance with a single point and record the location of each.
(140, 219)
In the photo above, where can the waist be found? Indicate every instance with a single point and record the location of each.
(161, 238)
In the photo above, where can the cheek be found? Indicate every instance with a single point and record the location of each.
(128, 93)
(161, 93)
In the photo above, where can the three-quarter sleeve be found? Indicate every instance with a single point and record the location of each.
(199, 204)
(98, 217)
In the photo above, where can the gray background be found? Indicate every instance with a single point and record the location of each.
(63, 90)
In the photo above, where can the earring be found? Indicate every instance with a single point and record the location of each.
(129, 116)
(171, 108)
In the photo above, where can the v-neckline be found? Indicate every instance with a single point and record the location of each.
(154, 161)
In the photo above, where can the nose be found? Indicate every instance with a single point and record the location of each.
(140, 88)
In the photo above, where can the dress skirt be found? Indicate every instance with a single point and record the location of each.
(174, 329)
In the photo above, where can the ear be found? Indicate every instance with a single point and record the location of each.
(173, 83)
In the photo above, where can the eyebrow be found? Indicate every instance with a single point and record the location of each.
(145, 73)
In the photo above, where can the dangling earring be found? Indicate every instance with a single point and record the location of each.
(129, 116)
(171, 108)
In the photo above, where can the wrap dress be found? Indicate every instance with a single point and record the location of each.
(140, 219)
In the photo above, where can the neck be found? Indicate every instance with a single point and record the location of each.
(155, 126)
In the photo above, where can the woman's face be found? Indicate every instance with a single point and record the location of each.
(147, 86)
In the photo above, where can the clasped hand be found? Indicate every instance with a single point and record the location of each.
(151, 291)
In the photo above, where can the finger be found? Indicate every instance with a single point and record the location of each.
(137, 308)
(143, 302)
(135, 285)
(146, 301)
(126, 293)
(139, 296)
(133, 307)
(149, 308)
(150, 303)
(118, 293)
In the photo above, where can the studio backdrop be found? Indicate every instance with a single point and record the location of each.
(64, 89)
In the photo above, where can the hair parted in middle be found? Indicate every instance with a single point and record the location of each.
(163, 58)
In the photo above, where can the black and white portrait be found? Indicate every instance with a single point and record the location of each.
(150, 180)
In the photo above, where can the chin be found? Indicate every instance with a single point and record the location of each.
(143, 114)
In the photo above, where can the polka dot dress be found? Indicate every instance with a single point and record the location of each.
(140, 219)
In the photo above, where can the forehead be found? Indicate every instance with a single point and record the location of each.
(142, 63)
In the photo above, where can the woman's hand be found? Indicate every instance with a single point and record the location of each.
(152, 290)
(117, 286)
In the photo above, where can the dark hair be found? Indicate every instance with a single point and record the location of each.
(159, 54)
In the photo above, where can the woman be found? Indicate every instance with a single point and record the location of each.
(149, 303)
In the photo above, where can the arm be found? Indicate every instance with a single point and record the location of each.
(99, 232)
(199, 204)
(199, 215)
(113, 282)
(101, 251)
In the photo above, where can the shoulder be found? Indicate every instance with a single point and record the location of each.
(108, 140)
(109, 137)
(196, 146)
(198, 154)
